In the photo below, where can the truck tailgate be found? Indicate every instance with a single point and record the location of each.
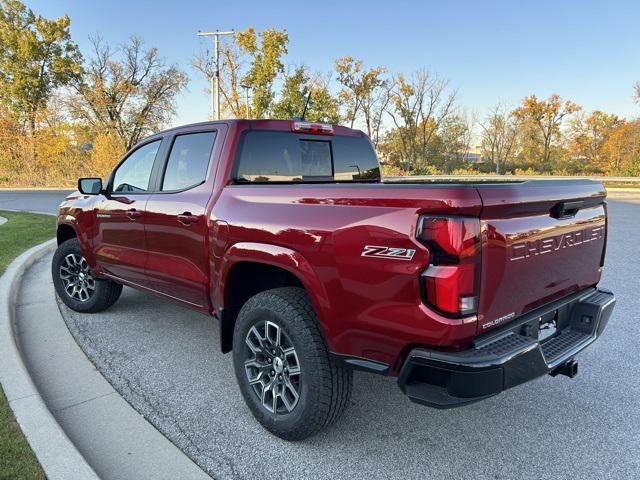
(541, 240)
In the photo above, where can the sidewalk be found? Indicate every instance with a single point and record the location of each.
(114, 439)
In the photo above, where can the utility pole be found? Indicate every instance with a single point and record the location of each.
(215, 78)
(246, 100)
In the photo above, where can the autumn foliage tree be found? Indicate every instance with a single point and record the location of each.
(253, 59)
(499, 136)
(62, 116)
(37, 56)
(418, 107)
(265, 50)
(587, 137)
(365, 94)
(544, 119)
(128, 91)
(622, 149)
(299, 87)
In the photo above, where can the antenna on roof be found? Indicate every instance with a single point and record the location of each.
(306, 104)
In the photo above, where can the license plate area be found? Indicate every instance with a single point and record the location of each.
(548, 326)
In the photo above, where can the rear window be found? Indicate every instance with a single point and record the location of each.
(266, 156)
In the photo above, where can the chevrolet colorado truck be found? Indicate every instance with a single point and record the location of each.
(314, 266)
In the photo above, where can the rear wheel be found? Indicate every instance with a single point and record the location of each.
(283, 366)
(76, 285)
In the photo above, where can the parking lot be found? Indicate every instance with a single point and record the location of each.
(164, 361)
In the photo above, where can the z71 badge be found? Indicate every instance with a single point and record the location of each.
(388, 252)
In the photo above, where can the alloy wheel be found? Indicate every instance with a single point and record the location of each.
(272, 367)
(78, 281)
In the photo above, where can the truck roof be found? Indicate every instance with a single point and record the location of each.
(264, 124)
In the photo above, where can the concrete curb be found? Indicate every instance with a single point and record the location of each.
(57, 455)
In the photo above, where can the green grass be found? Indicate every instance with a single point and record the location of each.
(22, 231)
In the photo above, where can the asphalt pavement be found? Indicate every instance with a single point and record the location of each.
(44, 201)
(108, 434)
(163, 359)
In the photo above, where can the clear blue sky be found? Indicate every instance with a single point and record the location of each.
(491, 51)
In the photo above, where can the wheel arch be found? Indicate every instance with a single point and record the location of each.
(64, 232)
(248, 268)
(68, 227)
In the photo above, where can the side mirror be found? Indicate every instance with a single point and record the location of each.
(90, 186)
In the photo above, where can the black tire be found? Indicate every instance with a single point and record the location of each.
(104, 293)
(324, 386)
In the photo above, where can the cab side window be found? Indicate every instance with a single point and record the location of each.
(188, 161)
(134, 174)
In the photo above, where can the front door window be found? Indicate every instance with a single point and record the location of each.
(134, 173)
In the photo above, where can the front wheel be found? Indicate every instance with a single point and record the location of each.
(76, 285)
(283, 368)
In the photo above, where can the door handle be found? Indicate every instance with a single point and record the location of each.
(133, 214)
(187, 218)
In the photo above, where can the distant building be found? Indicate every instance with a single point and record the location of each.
(474, 155)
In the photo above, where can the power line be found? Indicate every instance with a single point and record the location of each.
(246, 100)
(215, 79)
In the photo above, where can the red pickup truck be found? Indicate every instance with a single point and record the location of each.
(313, 266)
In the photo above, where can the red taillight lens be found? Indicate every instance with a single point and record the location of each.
(451, 281)
(450, 237)
(310, 127)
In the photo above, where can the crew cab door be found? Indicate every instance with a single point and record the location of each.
(119, 243)
(176, 218)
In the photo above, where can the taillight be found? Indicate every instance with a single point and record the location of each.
(312, 127)
(451, 282)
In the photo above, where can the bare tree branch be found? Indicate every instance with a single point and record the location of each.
(129, 91)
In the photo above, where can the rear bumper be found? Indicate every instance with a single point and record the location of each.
(509, 357)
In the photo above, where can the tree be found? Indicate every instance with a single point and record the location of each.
(545, 116)
(636, 93)
(588, 135)
(364, 93)
(231, 63)
(231, 83)
(499, 133)
(417, 108)
(37, 57)
(323, 107)
(129, 91)
(253, 60)
(622, 149)
(106, 149)
(266, 51)
(293, 96)
(374, 108)
(454, 139)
